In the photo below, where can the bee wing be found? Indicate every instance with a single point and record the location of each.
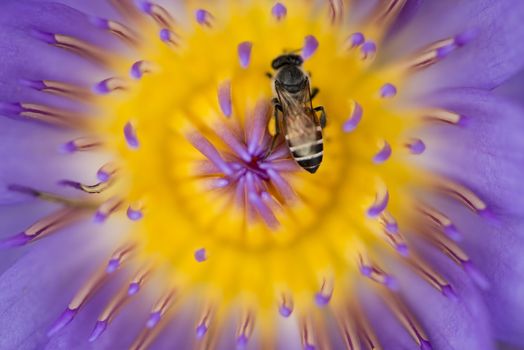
(300, 124)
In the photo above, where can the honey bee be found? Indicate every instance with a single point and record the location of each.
(294, 114)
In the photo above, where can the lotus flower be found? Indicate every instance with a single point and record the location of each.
(144, 206)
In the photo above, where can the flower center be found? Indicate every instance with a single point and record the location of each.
(193, 131)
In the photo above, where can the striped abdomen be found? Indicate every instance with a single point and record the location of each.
(306, 146)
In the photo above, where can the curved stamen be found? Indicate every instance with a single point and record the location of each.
(279, 11)
(356, 115)
(82, 144)
(310, 46)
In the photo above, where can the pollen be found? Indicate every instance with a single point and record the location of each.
(216, 216)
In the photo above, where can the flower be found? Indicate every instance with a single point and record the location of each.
(148, 200)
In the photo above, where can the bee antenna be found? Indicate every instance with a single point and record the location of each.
(287, 51)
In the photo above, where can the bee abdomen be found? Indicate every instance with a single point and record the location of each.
(308, 155)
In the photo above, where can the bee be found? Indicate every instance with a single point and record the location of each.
(294, 114)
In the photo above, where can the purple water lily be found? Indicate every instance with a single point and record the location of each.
(149, 197)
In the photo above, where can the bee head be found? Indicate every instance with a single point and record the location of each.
(286, 60)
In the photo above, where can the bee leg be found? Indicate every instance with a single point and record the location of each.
(323, 119)
(276, 108)
(314, 93)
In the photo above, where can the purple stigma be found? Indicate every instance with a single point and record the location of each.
(383, 154)
(17, 240)
(100, 328)
(350, 124)
(46, 37)
(444, 51)
(203, 17)
(366, 270)
(65, 318)
(201, 255)
(130, 135)
(102, 88)
(100, 217)
(425, 345)
(402, 249)
(136, 72)
(322, 299)
(452, 232)
(356, 39)
(379, 206)
(391, 283)
(134, 214)
(388, 90)
(134, 288)
(153, 320)
(368, 49)
(165, 35)
(69, 147)
(224, 98)
(145, 6)
(201, 330)
(103, 176)
(285, 311)
(416, 146)
(112, 265)
(310, 46)
(11, 108)
(244, 53)
(98, 22)
(33, 84)
(465, 37)
(279, 11)
(242, 341)
(449, 293)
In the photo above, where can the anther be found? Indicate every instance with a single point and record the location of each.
(107, 208)
(464, 195)
(135, 211)
(433, 278)
(244, 53)
(43, 227)
(91, 189)
(310, 46)
(169, 37)
(389, 222)
(416, 146)
(200, 255)
(131, 136)
(286, 305)
(356, 115)
(368, 50)
(383, 154)
(323, 297)
(107, 172)
(41, 113)
(139, 68)
(75, 45)
(244, 330)
(279, 11)
(224, 98)
(203, 324)
(308, 335)
(81, 144)
(446, 117)
(380, 203)
(398, 242)
(138, 281)
(388, 90)
(57, 88)
(356, 39)
(119, 257)
(203, 17)
(159, 14)
(408, 321)
(118, 29)
(441, 220)
(376, 274)
(109, 85)
(160, 308)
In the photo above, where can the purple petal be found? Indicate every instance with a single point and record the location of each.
(496, 50)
